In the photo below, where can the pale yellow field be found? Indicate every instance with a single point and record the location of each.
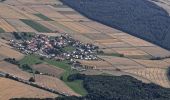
(155, 75)
(9, 52)
(130, 51)
(153, 63)
(13, 89)
(7, 12)
(14, 70)
(97, 64)
(6, 27)
(54, 83)
(78, 27)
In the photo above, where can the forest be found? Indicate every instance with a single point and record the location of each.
(102, 87)
(141, 18)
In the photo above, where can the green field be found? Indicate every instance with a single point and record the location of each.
(69, 49)
(43, 17)
(1, 30)
(75, 85)
(37, 26)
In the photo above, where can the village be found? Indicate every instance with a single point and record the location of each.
(59, 48)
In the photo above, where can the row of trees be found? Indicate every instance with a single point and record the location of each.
(141, 18)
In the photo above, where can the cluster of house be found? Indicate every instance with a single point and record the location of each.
(54, 47)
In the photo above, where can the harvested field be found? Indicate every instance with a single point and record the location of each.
(119, 61)
(50, 34)
(100, 27)
(98, 36)
(38, 2)
(107, 41)
(130, 51)
(153, 63)
(82, 38)
(62, 28)
(78, 27)
(48, 69)
(24, 13)
(48, 11)
(74, 16)
(156, 51)
(14, 70)
(6, 27)
(47, 81)
(155, 75)
(117, 45)
(13, 89)
(54, 83)
(137, 42)
(26, 9)
(62, 19)
(9, 52)
(97, 64)
(7, 12)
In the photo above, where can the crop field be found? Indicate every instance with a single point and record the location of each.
(26, 9)
(5, 26)
(13, 89)
(155, 75)
(137, 42)
(7, 12)
(78, 27)
(119, 61)
(153, 63)
(54, 83)
(20, 26)
(155, 51)
(48, 11)
(62, 28)
(49, 69)
(24, 13)
(50, 26)
(35, 25)
(9, 52)
(98, 36)
(100, 27)
(131, 52)
(13, 70)
(62, 19)
(43, 17)
(97, 64)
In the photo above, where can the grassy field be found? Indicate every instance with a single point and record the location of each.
(43, 17)
(75, 85)
(69, 49)
(38, 27)
(1, 30)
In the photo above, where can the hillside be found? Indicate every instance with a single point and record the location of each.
(140, 18)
